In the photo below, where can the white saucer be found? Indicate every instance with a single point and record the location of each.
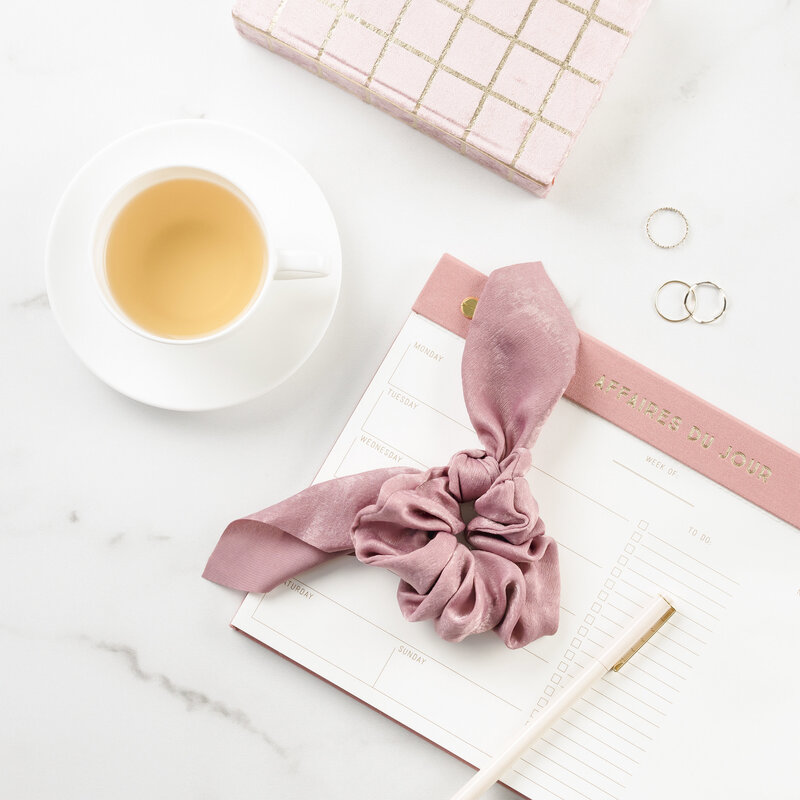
(268, 346)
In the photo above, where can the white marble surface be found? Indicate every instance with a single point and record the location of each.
(118, 674)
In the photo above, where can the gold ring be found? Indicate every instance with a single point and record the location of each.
(658, 294)
(674, 211)
(691, 292)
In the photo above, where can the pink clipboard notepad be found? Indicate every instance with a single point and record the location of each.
(647, 489)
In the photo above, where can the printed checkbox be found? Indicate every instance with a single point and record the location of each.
(563, 666)
(583, 630)
(556, 679)
(569, 655)
(622, 560)
(642, 526)
(576, 643)
(549, 690)
(596, 607)
(603, 595)
(609, 584)
(629, 548)
(589, 619)
(616, 572)
(542, 702)
(636, 537)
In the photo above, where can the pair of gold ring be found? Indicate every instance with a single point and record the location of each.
(690, 302)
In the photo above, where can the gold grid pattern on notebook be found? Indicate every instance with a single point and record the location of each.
(438, 63)
(512, 40)
(564, 64)
(509, 48)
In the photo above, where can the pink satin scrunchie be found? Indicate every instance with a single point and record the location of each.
(518, 358)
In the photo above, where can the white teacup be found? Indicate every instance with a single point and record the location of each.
(278, 264)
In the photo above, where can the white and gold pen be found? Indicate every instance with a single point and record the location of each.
(612, 658)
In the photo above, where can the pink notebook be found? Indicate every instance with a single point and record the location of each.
(507, 83)
(647, 489)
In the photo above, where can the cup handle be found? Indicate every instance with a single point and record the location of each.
(292, 264)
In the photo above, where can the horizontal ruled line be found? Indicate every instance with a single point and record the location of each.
(635, 697)
(596, 755)
(579, 760)
(605, 727)
(614, 717)
(682, 583)
(580, 555)
(622, 705)
(669, 544)
(603, 630)
(642, 686)
(437, 410)
(578, 491)
(592, 736)
(659, 664)
(572, 772)
(667, 653)
(530, 652)
(654, 677)
(679, 644)
(673, 593)
(680, 566)
(540, 785)
(634, 586)
(564, 783)
(653, 483)
(621, 610)
(677, 627)
(432, 722)
(629, 599)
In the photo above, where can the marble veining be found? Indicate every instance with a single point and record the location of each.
(35, 301)
(193, 700)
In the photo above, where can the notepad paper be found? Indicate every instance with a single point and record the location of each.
(709, 707)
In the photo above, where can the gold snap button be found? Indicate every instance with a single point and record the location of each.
(468, 305)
